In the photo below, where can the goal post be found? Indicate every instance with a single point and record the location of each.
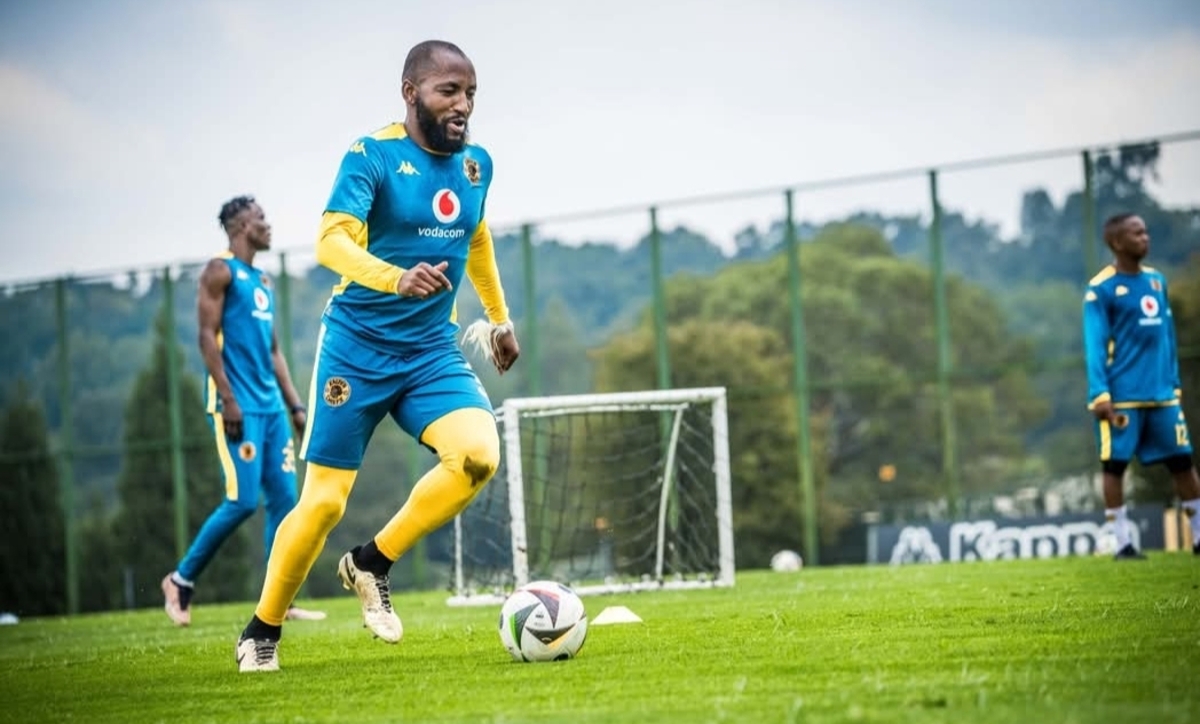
(606, 493)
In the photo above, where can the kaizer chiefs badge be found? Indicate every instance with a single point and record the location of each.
(471, 170)
(247, 451)
(337, 391)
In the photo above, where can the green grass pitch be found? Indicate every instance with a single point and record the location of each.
(1085, 640)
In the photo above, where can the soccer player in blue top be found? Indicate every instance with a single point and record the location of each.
(250, 398)
(404, 223)
(1133, 377)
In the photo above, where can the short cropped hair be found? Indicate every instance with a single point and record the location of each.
(420, 58)
(232, 208)
(1112, 225)
(1114, 221)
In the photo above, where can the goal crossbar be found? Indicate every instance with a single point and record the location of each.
(639, 400)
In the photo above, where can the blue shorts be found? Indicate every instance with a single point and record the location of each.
(263, 462)
(355, 386)
(1152, 434)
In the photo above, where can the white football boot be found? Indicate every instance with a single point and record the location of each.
(375, 595)
(257, 655)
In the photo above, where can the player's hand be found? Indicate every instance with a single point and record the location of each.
(299, 419)
(423, 280)
(231, 417)
(505, 349)
(1104, 411)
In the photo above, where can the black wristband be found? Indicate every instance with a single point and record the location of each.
(297, 408)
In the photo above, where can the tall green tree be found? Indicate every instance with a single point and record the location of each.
(32, 552)
(144, 535)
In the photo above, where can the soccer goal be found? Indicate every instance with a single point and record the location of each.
(605, 493)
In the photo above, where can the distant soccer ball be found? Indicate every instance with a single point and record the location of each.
(786, 561)
(543, 621)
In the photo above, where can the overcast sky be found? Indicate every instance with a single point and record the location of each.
(124, 124)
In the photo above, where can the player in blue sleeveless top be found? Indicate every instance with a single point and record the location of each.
(1133, 378)
(251, 401)
(404, 224)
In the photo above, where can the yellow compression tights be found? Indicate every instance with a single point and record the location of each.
(469, 450)
(468, 447)
(301, 537)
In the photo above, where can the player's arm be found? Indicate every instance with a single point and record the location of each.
(214, 281)
(342, 247)
(1096, 335)
(342, 239)
(485, 274)
(495, 338)
(290, 396)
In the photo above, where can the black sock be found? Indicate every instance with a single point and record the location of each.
(185, 596)
(369, 559)
(259, 629)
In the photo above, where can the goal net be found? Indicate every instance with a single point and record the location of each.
(605, 493)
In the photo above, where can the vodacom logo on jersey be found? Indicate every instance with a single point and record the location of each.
(1150, 310)
(1149, 306)
(446, 206)
(446, 209)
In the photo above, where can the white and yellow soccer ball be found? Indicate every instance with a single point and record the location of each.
(543, 621)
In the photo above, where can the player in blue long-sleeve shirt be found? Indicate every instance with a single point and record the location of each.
(404, 225)
(1133, 377)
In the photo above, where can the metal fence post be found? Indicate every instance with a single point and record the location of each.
(530, 354)
(175, 414)
(283, 302)
(808, 487)
(662, 356)
(661, 348)
(66, 468)
(944, 361)
(530, 341)
(1090, 258)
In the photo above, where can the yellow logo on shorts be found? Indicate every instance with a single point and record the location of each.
(247, 451)
(289, 457)
(337, 391)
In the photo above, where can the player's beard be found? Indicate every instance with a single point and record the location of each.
(437, 134)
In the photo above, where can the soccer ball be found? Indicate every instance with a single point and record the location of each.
(543, 621)
(786, 561)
